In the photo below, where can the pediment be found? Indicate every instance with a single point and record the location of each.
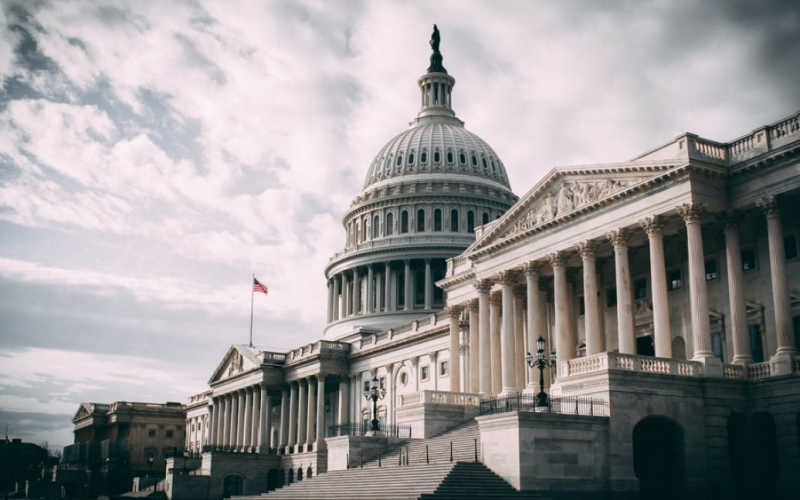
(237, 360)
(87, 410)
(565, 192)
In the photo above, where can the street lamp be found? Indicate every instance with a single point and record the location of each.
(375, 393)
(540, 362)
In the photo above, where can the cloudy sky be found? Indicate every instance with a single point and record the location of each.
(155, 154)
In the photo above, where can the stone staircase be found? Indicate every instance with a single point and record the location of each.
(422, 475)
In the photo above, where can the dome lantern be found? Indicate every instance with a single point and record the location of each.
(436, 86)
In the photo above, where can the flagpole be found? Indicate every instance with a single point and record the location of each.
(252, 294)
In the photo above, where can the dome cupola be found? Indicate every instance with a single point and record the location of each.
(424, 194)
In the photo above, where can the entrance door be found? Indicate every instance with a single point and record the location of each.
(658, 458)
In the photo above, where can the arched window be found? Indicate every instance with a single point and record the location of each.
(449, 157)
(485, 217)
(462, 158)
(410, 158)
(420, 220)
(437, 157)
(376, 226)
(470, 221)
(404, 222)
(474, 160)
(388, 162)
(389, 224)
(437, 220)
(454, 220)
(423, 157)
(399, 159)
(365, 232)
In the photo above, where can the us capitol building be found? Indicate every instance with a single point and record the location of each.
(665, 289)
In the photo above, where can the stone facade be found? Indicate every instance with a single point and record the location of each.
(663, 287)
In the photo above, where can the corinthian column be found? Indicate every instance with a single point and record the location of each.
(344, 302)
(784, 329)
(565, 343)
(428, 285)
(283, 439)
(247, 418)
(293, 410)
(474, 347)
(329, 317)
(370, 291)
(312, 413)
(302, 414)
(264, 421)
(357, 292)
(507, 280)
(698, 292)
(485, 350)
(225, 429)
(595, 342)
(388, 295)
(733, 259)
(240, 430)
(408, 297)
(344, 403)
(535, 321)
(496, 302)
(519, 337)
(658, 278)
(335, 300)
(627, 335)
(320, 413)
(454, 313)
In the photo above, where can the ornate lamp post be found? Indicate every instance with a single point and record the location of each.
(540, 362)
(375, 393)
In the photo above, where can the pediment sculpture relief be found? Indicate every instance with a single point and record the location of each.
(568, 197)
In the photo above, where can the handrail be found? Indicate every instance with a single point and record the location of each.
(531, 403)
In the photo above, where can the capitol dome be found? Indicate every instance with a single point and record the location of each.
(425, 193)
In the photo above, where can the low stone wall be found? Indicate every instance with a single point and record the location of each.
(547, 452)
(356, 449)
(429, 419)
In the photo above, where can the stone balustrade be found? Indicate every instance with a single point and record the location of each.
(439, 397)
(758, 371)
(322, 346)
(629, 362)
(734, 372)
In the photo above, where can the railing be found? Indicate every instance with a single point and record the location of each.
(734, 372)
(630, 362)
(758, 371)
(317, 347)
(273, 358)
(530, 403)
(230, 449)
(439, 397)
(711, 149)
(364, 428)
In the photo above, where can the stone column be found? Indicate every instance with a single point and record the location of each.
(234, 421)
(507, 342)
(495, 304)
(320, 413)
(408, 281)
(370, 290)
(302, 414)
(283, 438)
(336, 299)
(225, 435)
(240, 430)
(433, 356)
(454, 313)
(536, 324)
(658, 278)
(784, 330)
(519, 337)
(378, 292)
(329, 317)
(595, 342)
(625, 326)
(344, 402)
(387, 275)
(565, 343)
(485, 350)
(428, 285)
(733, 259)
(346, 297)
(698, 292)
(255, 428)
(293, 411)
(357, 292)
(247, 419)
(311, 419)
(219, 435)
(474, 347)
(264, 421)
(214, 418)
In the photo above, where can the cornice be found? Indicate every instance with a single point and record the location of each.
(394, 344)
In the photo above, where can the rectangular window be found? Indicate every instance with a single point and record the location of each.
(756, 347)
(640, 288)
(151, 433)
(169, 433)
(748, 259)
(382, 383)
(674, 279)
(425, 373)
(444, 368)
(790, 246)
(716, 346)
(366, 386)
(611, 297)
(712, 269)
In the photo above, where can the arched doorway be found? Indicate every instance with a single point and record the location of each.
(232, 485)
(658, 458)
(274, 479)
(764, 449)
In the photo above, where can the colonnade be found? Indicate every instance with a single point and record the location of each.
(197, 434)
(241, 420)
(381, 291)
(496, 319)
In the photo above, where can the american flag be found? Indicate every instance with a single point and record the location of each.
(258, 287)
